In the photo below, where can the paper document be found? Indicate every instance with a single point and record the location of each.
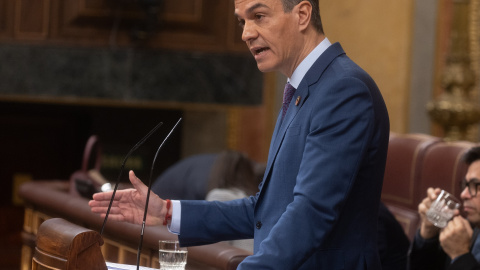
(119, 266)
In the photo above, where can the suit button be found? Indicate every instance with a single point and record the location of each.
(259, 225)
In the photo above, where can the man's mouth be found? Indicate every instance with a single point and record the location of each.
(260, 50)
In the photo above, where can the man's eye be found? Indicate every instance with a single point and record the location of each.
(241, 23)
(258, 16)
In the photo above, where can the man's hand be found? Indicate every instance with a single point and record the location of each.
(129, 204)
(427, 229)
(456, 237)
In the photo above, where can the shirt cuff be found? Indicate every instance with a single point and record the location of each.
(174, 226)
(421, 242)
(465, 261)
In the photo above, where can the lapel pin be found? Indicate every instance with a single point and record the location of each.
(298, 100)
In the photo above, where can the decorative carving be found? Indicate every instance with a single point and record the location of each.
(191, 25)
(474, 28)
(457, 109)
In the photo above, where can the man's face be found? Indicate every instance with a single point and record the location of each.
(271, 34)
(471, 205)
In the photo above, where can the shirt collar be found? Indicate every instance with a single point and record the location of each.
(307, 63)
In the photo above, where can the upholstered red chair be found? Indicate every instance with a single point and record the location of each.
(405, 155)
(407, 218)
(442, 167)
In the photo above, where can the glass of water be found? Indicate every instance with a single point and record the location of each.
(171, 255)
(443, 209)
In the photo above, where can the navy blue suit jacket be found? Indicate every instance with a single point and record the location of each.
(317, 207)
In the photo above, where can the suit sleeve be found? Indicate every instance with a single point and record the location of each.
(426, 254)
(206, 222)
(465, 262)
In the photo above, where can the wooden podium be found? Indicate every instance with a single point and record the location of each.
(64, 245)
(50, 199)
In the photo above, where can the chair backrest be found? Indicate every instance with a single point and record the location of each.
(404, 159)
(442, 167)
(408, 219)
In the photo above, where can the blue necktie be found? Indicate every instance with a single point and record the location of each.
(288, 93)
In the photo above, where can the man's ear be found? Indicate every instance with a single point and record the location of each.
(304, 11)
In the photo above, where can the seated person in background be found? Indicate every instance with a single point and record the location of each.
(457, 245)
(392, 242)
(193, 177)
(235, 172)
(186, 179)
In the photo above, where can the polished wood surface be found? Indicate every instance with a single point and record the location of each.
(205, 25)
(64, 245)
(50, 199)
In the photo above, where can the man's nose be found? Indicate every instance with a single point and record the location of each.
(465, 194)
(249, 32)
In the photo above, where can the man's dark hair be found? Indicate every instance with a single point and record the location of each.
(472, 155)
(316, 20)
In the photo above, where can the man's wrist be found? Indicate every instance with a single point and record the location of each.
(168, 214)
(464, 260)
(428, 231)
(454, 257)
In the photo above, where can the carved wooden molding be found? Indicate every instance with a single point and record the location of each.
(31, 19)
(6, 21)
(198, 25)
(181, 24)
(474, 29)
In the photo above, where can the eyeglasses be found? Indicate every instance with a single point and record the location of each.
(472, 186)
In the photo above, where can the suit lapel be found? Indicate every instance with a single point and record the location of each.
(312, 76)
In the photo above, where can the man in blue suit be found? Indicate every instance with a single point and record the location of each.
(317, 207)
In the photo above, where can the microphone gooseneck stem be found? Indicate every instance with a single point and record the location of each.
(113, 196)
(148, 193)
(135, 147)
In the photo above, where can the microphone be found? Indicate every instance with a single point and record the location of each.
(135, 147)
(148, 193)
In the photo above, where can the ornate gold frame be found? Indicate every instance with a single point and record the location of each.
(457, 109)
(474, 28)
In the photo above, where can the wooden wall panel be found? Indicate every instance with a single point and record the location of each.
(190, 11)
(32, 19)
(191, 25)
(87, 9)
(169, 10)
(6, 21)
(234, 31)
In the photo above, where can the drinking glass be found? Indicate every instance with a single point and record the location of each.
(443, 209)
(171, 255)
